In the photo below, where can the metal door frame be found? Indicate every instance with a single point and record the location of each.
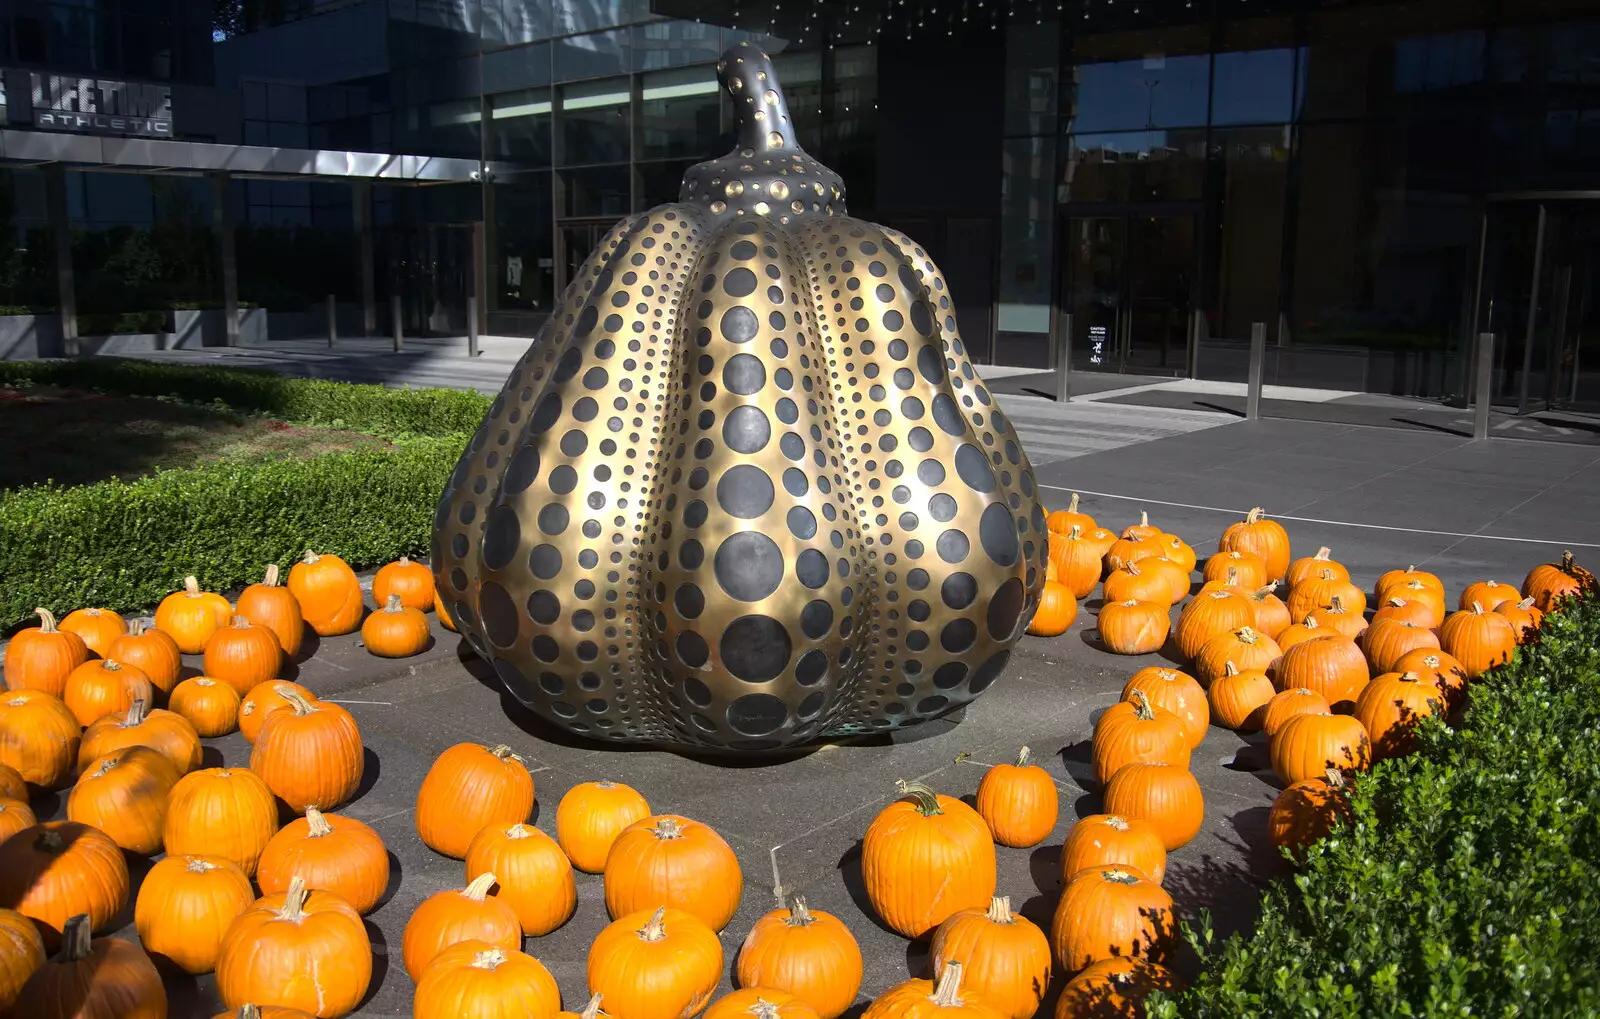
(602, 223)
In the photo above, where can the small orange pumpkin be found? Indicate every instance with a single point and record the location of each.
(476, 978)
(1056, 611)
(535, 877)
(1130, 550)
(269, 952)
(1390, 708)
(93, 978)
(1178, 693)
(468, 788)
(1308, 745)
(1478, 639)
(669, 860)
(396, 630)
(263, 700)
(1165, 795)
(1491, 594)
(590, 817)
(660, 964)
(1272, 615)
(273, 606)
(1332, 666)
(329, 593)
(1286, 704)
(1258, 536)
(1075, 561)
(812, 955)
(1342, 621)
(1217, 611)
(12, 785)
(211, 707)
(1313, 566)
(1419, 594)
(1134, 627)
(1133, 731)
(99, 628)
(310, 755)
(1548, 583)
(1019, 802)
(1387, 639)
(1005, 958)
(39, 737)
(759, 1003)
(243, 655)
(1179, 552)
(104, 686)
(15, 815)
(21, 953)
(1524, 616)
(1111, 989)
(226, 812)
(124, 794)
(165, 732)
(1247, 648)
(1307, 629)
(331, 853)
(42, 657)
(58, 869)
(1411, 579)
(185, 906)
(1317, 593)
(1062, 521)
(1236, 569)
(1438, 668)
(191, 616)
(1239, 699)
(924, 857)
(1403, 610)
(411, 581)
(924, 999)
(1131, 582)
(152, 651)
(1109, 912)
(451, 917)
(1307, 810)
(1110, 840)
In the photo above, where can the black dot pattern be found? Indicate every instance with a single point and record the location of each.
(745, 490)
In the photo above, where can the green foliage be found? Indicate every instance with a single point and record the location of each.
(392, 413)
(1467, 882)
(124, 545)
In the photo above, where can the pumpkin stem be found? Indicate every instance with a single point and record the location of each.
(1132, 567)
(1075, 533)
(191, 586)
(1310, 621)
(1323, 553)
(1144, 518)
(1072, 506)
(298, 702)
(75, 940)
(1023, 757)
(1477, 608)
(136, 627)
(1246, 635)
(50, 841)
(1335, 778)
(310, 557)
(1233, 576)
(1000, 910)
(392, 604)
(1141, 706)
(926, 800)
(107, 763)
(1410, 677)
(503, 752)
(249, 1011)
(135, 715)
(1254, 515)
(111, 665)
(1336, 604)
(490, 960)
(478, 888)
(799, 915)
(1229, 669)
(1525, 604)
(667, 828)
(656, 928)
(947, 992)
(518, 831)
(317, 826)
(294, 901)
(270, 579)
(198, 865)
(592, 1009)
(47, 620)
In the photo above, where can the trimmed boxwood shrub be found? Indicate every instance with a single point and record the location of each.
(1469, 880)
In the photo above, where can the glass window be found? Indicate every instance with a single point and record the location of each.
(520, 126)
(1031, 66)
(1027, 231)
(801, 76)
(573, 16)
(453, 129)
(597, 191)
(507, 22)
(1253, 87)
(1367, 61)
(1254, 163)
(659, 44)
(519, 67)
(591, 56)
(659, 182)
(1153, 91)
(1136, 166)
(521, 269)
(595, 123)
(681, 114)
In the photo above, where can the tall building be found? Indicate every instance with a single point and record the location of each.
(1136, 181)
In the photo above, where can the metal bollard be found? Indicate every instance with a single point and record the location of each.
(396, 324)
(1480, 412)
(1064, 362)
(1258, 355)
(472, 325)
(333, 320)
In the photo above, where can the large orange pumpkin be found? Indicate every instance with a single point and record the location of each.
(191, 616)
(1391, 706)
(21, 953)
(1134, 627)
(1438, 668)
(534, 876)
(1018, 801)
(1239, 699)
(1417, 613)
(1062, 521)
(1386, 640)
(104, 687)
(1318, 592)
(1491, 594)
(165, 732)
(1524, 617)
(226, 812)
(924, 999)
(1110, 840)
(58, 869)
(1177, 692)
(124, 794)
(1332, 666)
(1548, 583)
(925, 857)
(301, 949)
(1136, 731)
(1308, 628)
(331, 853)
(263, 700)
(185, 906)
(1247, 648)
(1077, 560)
(1286, 704)
(1133, 582)
(1236, 569)
(1307, 810)
(42, 657)
(1307, 745)
(468, 788)
(1314, 566)
(310, 755)
(152, 651)
(474, 979)
(657, 964)
(669, 860)
(102, 978)
(1420, 595)
(1165, 795)
(1210, 613)
(1260, 537)
(1112, 989)
(812, 955)
(243, 655)
(760, 1003)
(590, 817)
(411, 581)
(1478, 639)
(211, 707)
(39, 736)
(99, 628)
(273, 606)
(328, 592)
(1005, 958)
(1179, 552)
(451, 917)
(1110, 912)
(1056, 611)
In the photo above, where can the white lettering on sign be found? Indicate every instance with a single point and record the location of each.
(1097, 344)
(101, 106)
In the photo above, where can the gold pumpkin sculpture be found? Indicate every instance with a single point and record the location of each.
(745, 489)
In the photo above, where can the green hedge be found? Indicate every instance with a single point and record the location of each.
(374, 409)
(124, 544)
(1469, 881)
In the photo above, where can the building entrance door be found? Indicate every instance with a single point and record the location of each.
(1128, 281)
(576, 240)
(431, 267)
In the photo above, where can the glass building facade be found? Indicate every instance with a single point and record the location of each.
(1138, 183)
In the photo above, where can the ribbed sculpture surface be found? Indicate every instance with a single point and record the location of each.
(745, 489)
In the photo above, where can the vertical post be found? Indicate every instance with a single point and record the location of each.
(55, 182)
(1533, 311)
(1480, 413)
(1258, 355)
(1064, 360)
(361, 204)
(1197, 335)
(333, 319)
(397, 326)
(222, 211)
(472, 325)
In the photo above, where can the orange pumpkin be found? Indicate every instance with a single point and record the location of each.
(191, 616)
(263, 700)
(328, 592)
(243, 655)
(226, 812)
(1165, 795)
(1112, 988)
(1056, 611)
(468, 788)
(21, 953)
(1286, 704)
(250, 1010)
(411, 581)
(1491, 594)
(99, 628)
(1307, 810)
(1210, 613)
(273, 606)
(1018, 802)
(165, 732)
(1239, 699)
(657, 964)
(1236, 569)
(38, 737)
(331, 853)
(104, 686)
(1524, 617)
(1179, 552)
(1342, 621)
(1248, 649)
(1307, 629)
(1133, 731)
(124, 794)
(15, 815)
(1478, 639)
(761, 1003)
(211, 707)
(1134, 627)
(42, 657)
(1421, 596)
(669, 860)
(479, 979)
(185, 906)
(1315, 594)
(1308, 745)
(451, 917)
(396, 630)
(1110, 840)
(1262, 538)
(1229, 581)
(1005, 958)
(925, 857)
(1332, 666)
(1101, 539)
(1075, 561)
(310, 755)
(1402, 610)
(301, 949)
(1390, 708)
(1130, 550)
(1438, 668)
(811, 955)
(58, 869)
(1062, 521)
(1410, 579)
(924, 999)
(103, 977)
(590, 817)
(1132, 582)
(1314, 566)
(443, 614)
(1272, 615)
(1387, 639)
(152, 651)
(535, 877)
(1178, 693)
(1110, 912)
(12, 785)
(1548, 583)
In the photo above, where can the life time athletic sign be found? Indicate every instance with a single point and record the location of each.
(100, 106)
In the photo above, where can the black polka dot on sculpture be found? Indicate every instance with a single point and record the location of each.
(749, 566)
